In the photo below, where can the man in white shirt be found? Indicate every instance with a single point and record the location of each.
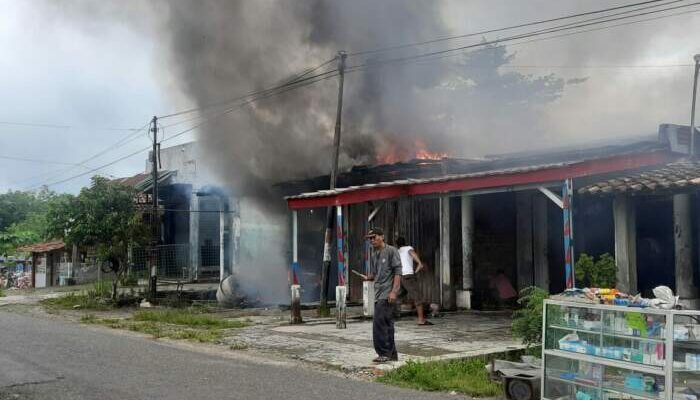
(408, 277)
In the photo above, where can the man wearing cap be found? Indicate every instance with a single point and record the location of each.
(385, 270)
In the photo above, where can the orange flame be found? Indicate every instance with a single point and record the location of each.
(397, 151)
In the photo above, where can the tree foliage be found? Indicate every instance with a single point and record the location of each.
(23, 218)
(103, 215)
(527, 321)
(599, 273)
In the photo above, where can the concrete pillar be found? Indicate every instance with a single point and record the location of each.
(368, 298)
(540, 244)
(624, 216)
(341, 290)
(194, 235)
(447, 293)
(295, 283)
(683, 239)
(464, 296)
(523, 232)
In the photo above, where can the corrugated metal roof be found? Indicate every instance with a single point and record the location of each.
(445, 178)
(509, 164)
(144, 181)
(43, 247)
(677, 176)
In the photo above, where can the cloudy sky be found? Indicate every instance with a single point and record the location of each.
(95, 71)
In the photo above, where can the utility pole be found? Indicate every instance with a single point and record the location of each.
(155, 221)
(323, 306)
(692, 110)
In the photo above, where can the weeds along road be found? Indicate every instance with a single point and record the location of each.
(47, 359)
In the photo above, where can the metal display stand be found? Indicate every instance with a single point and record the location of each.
(601, 352)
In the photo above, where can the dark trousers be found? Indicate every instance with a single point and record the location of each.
(383, 329)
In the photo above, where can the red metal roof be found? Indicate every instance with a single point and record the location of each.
(43, 247)
(479, 180)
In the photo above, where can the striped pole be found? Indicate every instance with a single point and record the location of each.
(341, 291)
(567, 200)
(341, 254)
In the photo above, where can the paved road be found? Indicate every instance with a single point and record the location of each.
(46, 359)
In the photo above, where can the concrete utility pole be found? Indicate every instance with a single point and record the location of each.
(323, 306)
(155, 221)
(692, 108)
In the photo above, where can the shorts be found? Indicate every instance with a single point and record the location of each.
(410, 283)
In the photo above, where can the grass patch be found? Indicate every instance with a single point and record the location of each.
(187, 317)
(464, 376)
(77, 300)
(173, 324)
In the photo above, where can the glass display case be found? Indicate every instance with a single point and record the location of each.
(594, 351)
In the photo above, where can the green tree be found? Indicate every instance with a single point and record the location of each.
(27, 213)
(599, 273)
(105, 216)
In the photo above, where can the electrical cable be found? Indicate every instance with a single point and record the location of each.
(517, 37)
(484, 32)
(293, 80)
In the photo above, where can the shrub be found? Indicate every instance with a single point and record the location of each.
(527, 321)
(599, 273)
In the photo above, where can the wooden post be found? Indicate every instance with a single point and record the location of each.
(295, 283)
(464, 296)
(523, 222)
(539, 241)
(447, 298)
(683, 240)
(624, 216)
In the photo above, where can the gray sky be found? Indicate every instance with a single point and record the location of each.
(115, 73)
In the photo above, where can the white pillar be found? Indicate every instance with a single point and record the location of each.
(295, 282)
(540, 241)
(683, 239)
(447, 298)
(194, 235)
(624, 217)
(464, 296)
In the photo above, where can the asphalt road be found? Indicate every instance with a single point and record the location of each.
(47, 359)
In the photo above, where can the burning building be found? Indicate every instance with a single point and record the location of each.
(520, 213)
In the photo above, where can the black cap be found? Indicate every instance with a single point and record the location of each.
(375, 231)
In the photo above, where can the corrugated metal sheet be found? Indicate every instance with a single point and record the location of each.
(43, 247)
(677, 176)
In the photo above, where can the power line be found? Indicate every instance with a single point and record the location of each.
(38, 161)
(519, 36)
(61, 126)
(484, 32)
(294, 80)
(54, 175)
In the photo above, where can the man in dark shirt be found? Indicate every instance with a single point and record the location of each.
(385, 270)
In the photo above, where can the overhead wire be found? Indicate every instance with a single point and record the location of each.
(263, 96)
(540, 32)
(487, 31)
(302, 77)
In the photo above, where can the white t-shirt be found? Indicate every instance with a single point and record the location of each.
(406, 260)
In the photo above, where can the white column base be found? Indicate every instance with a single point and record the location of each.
(464, 299)
(340, 309)
(368, 298)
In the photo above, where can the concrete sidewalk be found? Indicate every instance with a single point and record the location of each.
(454, 335)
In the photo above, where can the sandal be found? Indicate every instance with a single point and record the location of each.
(425, 323)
